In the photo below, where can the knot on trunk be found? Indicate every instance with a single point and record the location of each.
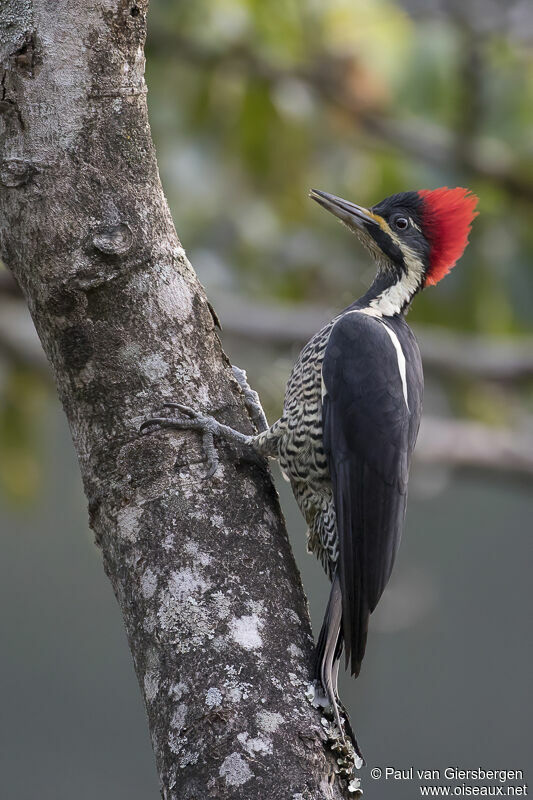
(113, 239)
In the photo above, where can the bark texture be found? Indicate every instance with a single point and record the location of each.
(211, 598)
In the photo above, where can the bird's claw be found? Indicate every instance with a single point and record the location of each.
(187, 410)
(210, 450)
(160, 421)
(196, 422)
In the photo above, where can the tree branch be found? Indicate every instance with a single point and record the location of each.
(485, 158)
(223, 660)
(459, 443)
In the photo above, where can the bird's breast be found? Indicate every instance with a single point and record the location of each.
(302, 454)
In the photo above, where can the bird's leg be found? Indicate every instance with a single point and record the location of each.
(262, 444)
(206, 425)
(251, 400)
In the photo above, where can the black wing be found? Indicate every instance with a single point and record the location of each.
(369, 432)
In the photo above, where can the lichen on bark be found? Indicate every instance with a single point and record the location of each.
(222, 660)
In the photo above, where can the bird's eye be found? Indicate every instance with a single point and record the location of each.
(402, 223)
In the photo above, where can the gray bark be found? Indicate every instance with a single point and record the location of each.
(212, 601)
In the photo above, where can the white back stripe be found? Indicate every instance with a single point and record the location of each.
(402, 367)
(401, 361)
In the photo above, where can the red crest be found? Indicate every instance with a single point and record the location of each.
(447, 216)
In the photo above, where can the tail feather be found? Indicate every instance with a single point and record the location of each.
(327, 668)
(328, 655)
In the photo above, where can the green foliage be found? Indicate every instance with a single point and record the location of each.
(248, 128)
(22, 401)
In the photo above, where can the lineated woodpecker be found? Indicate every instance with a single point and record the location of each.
(352, 411)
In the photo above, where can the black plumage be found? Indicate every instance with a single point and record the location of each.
(369, 432)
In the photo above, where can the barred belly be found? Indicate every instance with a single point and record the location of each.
(301, 451)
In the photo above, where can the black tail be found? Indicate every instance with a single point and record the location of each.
(328, 654)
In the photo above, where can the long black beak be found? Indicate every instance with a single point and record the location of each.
(350, 213)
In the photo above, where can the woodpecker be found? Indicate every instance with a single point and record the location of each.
(351, 414)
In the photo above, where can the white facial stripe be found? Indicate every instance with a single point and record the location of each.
(414, 266)
(392, 300)
(401, 361)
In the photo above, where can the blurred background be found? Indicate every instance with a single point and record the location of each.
(251, 104)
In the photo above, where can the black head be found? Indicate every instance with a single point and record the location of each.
(399, 230)
(417, 236)
(391, 230)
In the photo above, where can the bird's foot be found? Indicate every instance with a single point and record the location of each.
(251, 400)
(192, 421)
(205, 424)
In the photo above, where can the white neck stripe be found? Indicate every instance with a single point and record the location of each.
(393, 299)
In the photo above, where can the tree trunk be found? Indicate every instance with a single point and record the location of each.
(211, 597)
